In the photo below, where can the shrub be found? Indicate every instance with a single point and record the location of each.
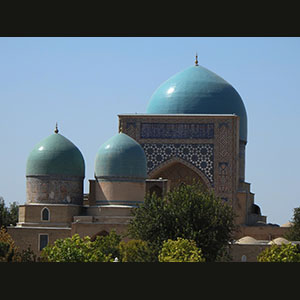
(108, 244)
(280, 253)
(135, 251)
(180, 250)
(76, 249)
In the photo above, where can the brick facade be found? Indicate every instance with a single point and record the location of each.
(179, 148)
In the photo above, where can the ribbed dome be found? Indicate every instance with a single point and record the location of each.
(196, 90)
(55, 155)
(121, 157)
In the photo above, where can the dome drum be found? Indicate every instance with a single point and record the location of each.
(54, 190)
(119, 192)
(119, 179)
(120, 172)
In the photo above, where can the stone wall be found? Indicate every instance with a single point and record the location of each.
(267, 232)
(59, 214)
(25, 237)
(245, 253)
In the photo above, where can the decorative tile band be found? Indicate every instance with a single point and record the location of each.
(119, 202)
(177, 131)
(199, 155)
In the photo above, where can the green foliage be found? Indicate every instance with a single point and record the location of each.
(181, 250)
(135, 251)
(25, 256)
(4, 250)
(8, 215)
(10, 253)
(109, 244)
(280, 253)
(13, 213)
(76, 249)
(293, 233)
(7, 246)
(189, 212)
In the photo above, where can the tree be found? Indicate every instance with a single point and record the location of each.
(108, 244)
(3, 213)
(190, 212)
(181, 250)
(135, 251)
(280, 253)
(9, 252)
(13, 213)
(7, 246)
(293, 233)
(8, 215)
(76, 249)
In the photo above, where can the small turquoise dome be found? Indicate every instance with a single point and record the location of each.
(197, 90)
(121, 157)
(55, 155)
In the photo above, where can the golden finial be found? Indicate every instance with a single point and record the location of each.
(196, 61)
(121, 129)
(56, 128)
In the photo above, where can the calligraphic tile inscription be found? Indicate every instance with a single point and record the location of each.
(177, 131)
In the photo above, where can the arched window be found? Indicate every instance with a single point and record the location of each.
(45, 214)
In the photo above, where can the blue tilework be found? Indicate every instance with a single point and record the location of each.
(199, 155)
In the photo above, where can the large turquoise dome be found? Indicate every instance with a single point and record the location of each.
(121, 157)
(197, 90)
(55, 155)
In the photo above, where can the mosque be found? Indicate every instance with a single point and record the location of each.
(195, 127)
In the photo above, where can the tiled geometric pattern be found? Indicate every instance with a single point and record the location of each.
(224, 166)
(199, 155)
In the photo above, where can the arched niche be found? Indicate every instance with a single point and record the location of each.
(157, 190)
(100, 233)
(178, 171)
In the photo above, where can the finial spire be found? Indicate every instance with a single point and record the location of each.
(196, 61)
(56, 128)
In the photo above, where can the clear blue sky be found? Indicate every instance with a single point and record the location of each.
(84, 83)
